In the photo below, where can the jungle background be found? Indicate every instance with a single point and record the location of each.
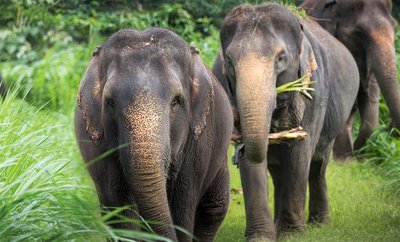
(45, 191)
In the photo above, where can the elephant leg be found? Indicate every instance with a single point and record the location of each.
(275, 172)
(259, 223)
(368, 102)
(212, 208)
(318, 205)
(183, 202)
(343, 147)
(293, 187)
(111, 188)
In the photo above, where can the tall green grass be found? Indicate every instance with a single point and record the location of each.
(39, 198)
(45, 191)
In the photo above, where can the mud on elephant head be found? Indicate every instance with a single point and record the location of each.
(150, 93)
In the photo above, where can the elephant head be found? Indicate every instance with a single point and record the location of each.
(150, 93)
(264, 47)
(367, 29)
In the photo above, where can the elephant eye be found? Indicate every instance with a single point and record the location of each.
(281, 58)
(110, 102)
(280, 62)
(177, 100)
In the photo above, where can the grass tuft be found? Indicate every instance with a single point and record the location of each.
(382, 150)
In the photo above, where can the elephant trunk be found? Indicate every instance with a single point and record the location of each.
(145, 163)
(256, 97)
(382, 61)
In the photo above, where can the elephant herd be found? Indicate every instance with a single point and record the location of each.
(168, 120)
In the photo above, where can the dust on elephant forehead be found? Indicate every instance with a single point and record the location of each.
(144, 121)
(254, 68)
(250, 64)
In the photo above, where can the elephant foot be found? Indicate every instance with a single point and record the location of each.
(342, 154)
(259, 238)
(319, 219)
(342, 157)
(291, 229)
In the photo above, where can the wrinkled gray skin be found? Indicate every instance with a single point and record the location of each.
(264, 47)
(149, 96)
(367, 29)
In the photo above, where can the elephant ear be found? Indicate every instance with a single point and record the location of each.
(202, 95)
(89, 99)
(324, 12)
(307, 61)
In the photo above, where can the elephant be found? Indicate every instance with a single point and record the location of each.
(367, 29)
(148, 99)
(265, 46)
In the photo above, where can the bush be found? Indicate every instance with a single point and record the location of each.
(52, 81)
(49, 59)
(383, 151)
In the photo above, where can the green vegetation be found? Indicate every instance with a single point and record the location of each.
(360, 209)
(45, 190)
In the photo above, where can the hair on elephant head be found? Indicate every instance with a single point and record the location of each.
(367, 29)
(150, 92)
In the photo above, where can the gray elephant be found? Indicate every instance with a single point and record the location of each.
(148, 97)
(367, 29)
(265, 46)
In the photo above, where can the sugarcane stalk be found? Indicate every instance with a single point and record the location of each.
(287, 135)
(279, 137)
(301, 85)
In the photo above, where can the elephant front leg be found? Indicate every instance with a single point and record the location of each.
(368, 103)
(111, 188)
(318, 205)
(259, 223)
(292, 189)
(212, 208)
